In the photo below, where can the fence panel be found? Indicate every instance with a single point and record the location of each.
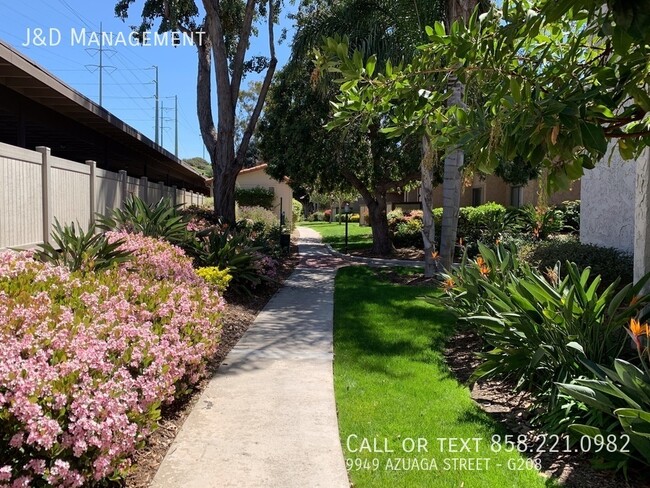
(21, 203)
(108, 193)
(70, 187)
(38, 188)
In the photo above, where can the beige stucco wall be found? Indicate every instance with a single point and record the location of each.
(494, 190)
(282, 191)
(607, 205)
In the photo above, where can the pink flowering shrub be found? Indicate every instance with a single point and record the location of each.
(155, 258)
(266, 266)
(87, 360)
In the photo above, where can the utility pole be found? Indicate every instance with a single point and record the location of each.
(101, 63)
(101, 67)
(176, 125)
(156, 122)
(162, 123)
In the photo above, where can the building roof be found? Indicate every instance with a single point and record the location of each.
(253, 169)
(69, 113)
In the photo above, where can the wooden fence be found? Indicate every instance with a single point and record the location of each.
(36, 188)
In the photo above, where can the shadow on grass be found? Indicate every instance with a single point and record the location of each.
(366, 324)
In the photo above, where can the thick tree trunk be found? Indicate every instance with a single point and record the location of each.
(456, 10)
(224, 189)
(376, 203)
(428, 224)
(381, 243)
(451, 187)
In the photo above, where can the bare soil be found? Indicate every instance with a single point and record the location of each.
(239, 314)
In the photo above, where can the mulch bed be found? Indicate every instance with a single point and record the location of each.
(514, 412)
(239, 314)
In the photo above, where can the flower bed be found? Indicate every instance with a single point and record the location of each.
(88, 359)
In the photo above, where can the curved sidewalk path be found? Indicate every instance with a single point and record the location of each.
(268, 418)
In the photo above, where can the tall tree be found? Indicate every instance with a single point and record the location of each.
(221, 33)
(295, 144)
(390, 30)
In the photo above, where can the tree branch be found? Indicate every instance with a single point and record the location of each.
(358, 184)
(391, 185)
(252, 122)
(216, 34)
(242, 46)
(204, 95)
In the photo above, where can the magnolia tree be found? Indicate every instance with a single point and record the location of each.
(221, 31)
(549, 83)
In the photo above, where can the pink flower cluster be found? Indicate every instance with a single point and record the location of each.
(155, 258)
(197, 224)
(87, 360)
(266, 266)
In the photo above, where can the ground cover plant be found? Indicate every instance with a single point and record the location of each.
(391, 384)
(89, 358)
(565, 338)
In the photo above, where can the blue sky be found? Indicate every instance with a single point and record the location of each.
(128, 84)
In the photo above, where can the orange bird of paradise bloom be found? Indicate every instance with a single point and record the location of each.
(639, 329)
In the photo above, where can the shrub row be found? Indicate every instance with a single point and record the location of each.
(561, 336)
(255, 197)
(88, 358)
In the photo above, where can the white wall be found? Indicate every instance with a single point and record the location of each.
(36, 188)
(607, 204)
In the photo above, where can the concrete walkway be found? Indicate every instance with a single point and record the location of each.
(268, 418)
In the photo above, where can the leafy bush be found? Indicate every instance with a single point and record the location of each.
(570, 210)
(162, 220)
(255, 197)
(475, 222)
(622, 393)
(296, 212)
(534, 324)
(405, 228)
(408, 234)
(317, 217)
(262, 220)
(539, 222)
(226, 247)
(220, 278)
(81, 251)
(86, 362)
(609, 263)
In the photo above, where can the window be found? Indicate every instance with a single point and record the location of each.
(517, 196)
(477, 197)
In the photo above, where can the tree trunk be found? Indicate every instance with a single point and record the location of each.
(376, 203)
(224, 186)
(451, 187)
(456, 10)
(381, 243)
(428, 224)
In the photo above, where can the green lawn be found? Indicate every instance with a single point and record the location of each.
(394, 391)
(334, 234)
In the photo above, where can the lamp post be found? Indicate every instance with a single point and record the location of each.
(347, 211)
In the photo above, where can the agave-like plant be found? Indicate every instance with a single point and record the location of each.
(162, 220)
(81, 250)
